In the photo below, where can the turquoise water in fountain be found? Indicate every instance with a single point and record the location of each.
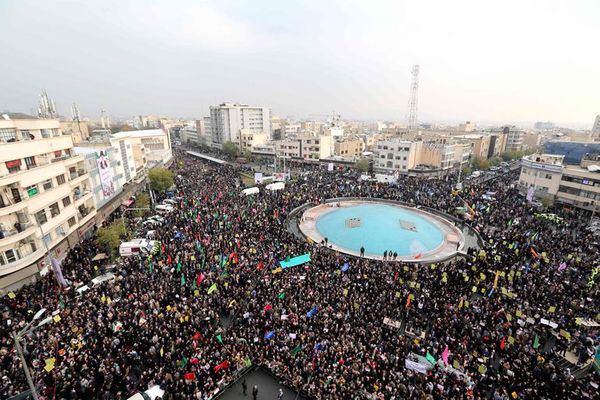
(380, 230)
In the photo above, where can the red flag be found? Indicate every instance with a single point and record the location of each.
(268, 307)
(395, 277)
(200, 278)
(197, 336)
(169, 259)
(195, 360)
(260, 266)
(503, 343)
(190, 376)
(162, 248)
(223, 365)
(408, 300)
(418, 256)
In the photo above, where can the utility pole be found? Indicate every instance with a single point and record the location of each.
(25, 367)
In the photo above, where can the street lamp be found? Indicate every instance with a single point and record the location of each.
(17, 337)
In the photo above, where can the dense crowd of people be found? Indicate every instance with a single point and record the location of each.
(211, 301)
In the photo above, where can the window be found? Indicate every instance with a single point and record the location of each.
(25, 134)
(46, 133)
(12, 255)
(47, 239)
(60, 231)
(30, 162)
(61, 179)
(66, 201)
(8, 134)
(13, 166)
(54, 210)
(32, 191)
(2, 259)
(71, 221)
(548, 176)
(47, 185)
(41, 217)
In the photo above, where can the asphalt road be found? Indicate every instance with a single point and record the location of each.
(268, 388)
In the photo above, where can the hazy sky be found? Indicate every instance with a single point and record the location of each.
(483, 60)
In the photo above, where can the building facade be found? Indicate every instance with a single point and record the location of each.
(596, 126)
(514, 139)
(541, 173)
(349, 147)
(46, 201)
(227, 119)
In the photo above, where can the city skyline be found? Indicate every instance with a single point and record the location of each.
(509, 63)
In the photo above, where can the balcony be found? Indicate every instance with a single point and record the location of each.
(13, 235)
(25, 260)
(11, 208)
(77, 176)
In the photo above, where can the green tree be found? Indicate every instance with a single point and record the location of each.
(142, 200)
(479, 163)
(160, 179)
(108, 238)
(362, 165)
(230, 149)
(467, 171)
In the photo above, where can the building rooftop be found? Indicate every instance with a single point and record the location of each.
(9, 116)
(144, 133)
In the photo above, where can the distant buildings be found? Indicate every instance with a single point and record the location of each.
(46, 202)
(514, 139)
(467, 127)
(573, 152)
(227, 119)
(543, 125)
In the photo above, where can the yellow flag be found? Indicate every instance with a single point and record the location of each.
(496, 279)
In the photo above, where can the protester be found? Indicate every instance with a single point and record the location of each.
(213, 301)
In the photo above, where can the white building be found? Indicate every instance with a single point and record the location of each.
(189, 132)
(514, 139)
(151, 147)
(541, 173)
(307, 147)
(46, 202)
(395, 155)
(228, 118)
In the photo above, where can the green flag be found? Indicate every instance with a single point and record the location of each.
(182, 280)
(431, 358)
(183, 362)
(247, 362)
(297, 349)
(194, 284)
(536, 342)
(224, 275)
(212, 288)
(179, 267)
(281, 295)
(219, 339)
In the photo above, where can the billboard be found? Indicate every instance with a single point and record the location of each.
(105, 173)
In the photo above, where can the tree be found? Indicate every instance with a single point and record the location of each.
(160, 179)
(142, 200)
(230, 149)
(362, 165)
(479, 163)
(108, 238)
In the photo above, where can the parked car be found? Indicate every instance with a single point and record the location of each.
(150, 394)
(158, 218)
(151, 223)
(170, 202)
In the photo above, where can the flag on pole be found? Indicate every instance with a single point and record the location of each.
(190, 376)
(430, 358)
(408, 300)
(182, 280)
(445, 354)
(313, 311)
(345, 267)
(269, 335)
(297, 349)
(223, 365)
(281, 295)
(219, 339)
(496, 279)
(212, 288)
(268, 307)
(200, 278)
(536, 342)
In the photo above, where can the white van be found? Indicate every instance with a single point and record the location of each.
(150, 394)
(135, 247)
(170, 202)
(163, 208)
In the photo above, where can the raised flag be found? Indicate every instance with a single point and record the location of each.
(562, 266)
(212, 288)
(297, 349)
(281, 295)
(223, 365)
(182, 280)
(268, 307)
(190, 376)
(536, 342)
(219, 339)
(200, 278)
(345, 267)
(445, 354)
(430, 358)
(269, 335)
(313, 311)
(408, 300)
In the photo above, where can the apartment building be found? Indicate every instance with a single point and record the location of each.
(396, 155)
(46, 202)
(514, 139)
(227, 119)
(547, 177)
(349, 147)
(307, 147)
(249, 140)
(150, 147)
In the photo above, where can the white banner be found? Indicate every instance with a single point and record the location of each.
(258, 178)
(330, 166)
(530, 193)
(106, 174)
(415, 366)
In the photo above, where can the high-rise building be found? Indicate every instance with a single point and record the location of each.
(514, 139)
(46, 202)
(596, 127)
(228, 118)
